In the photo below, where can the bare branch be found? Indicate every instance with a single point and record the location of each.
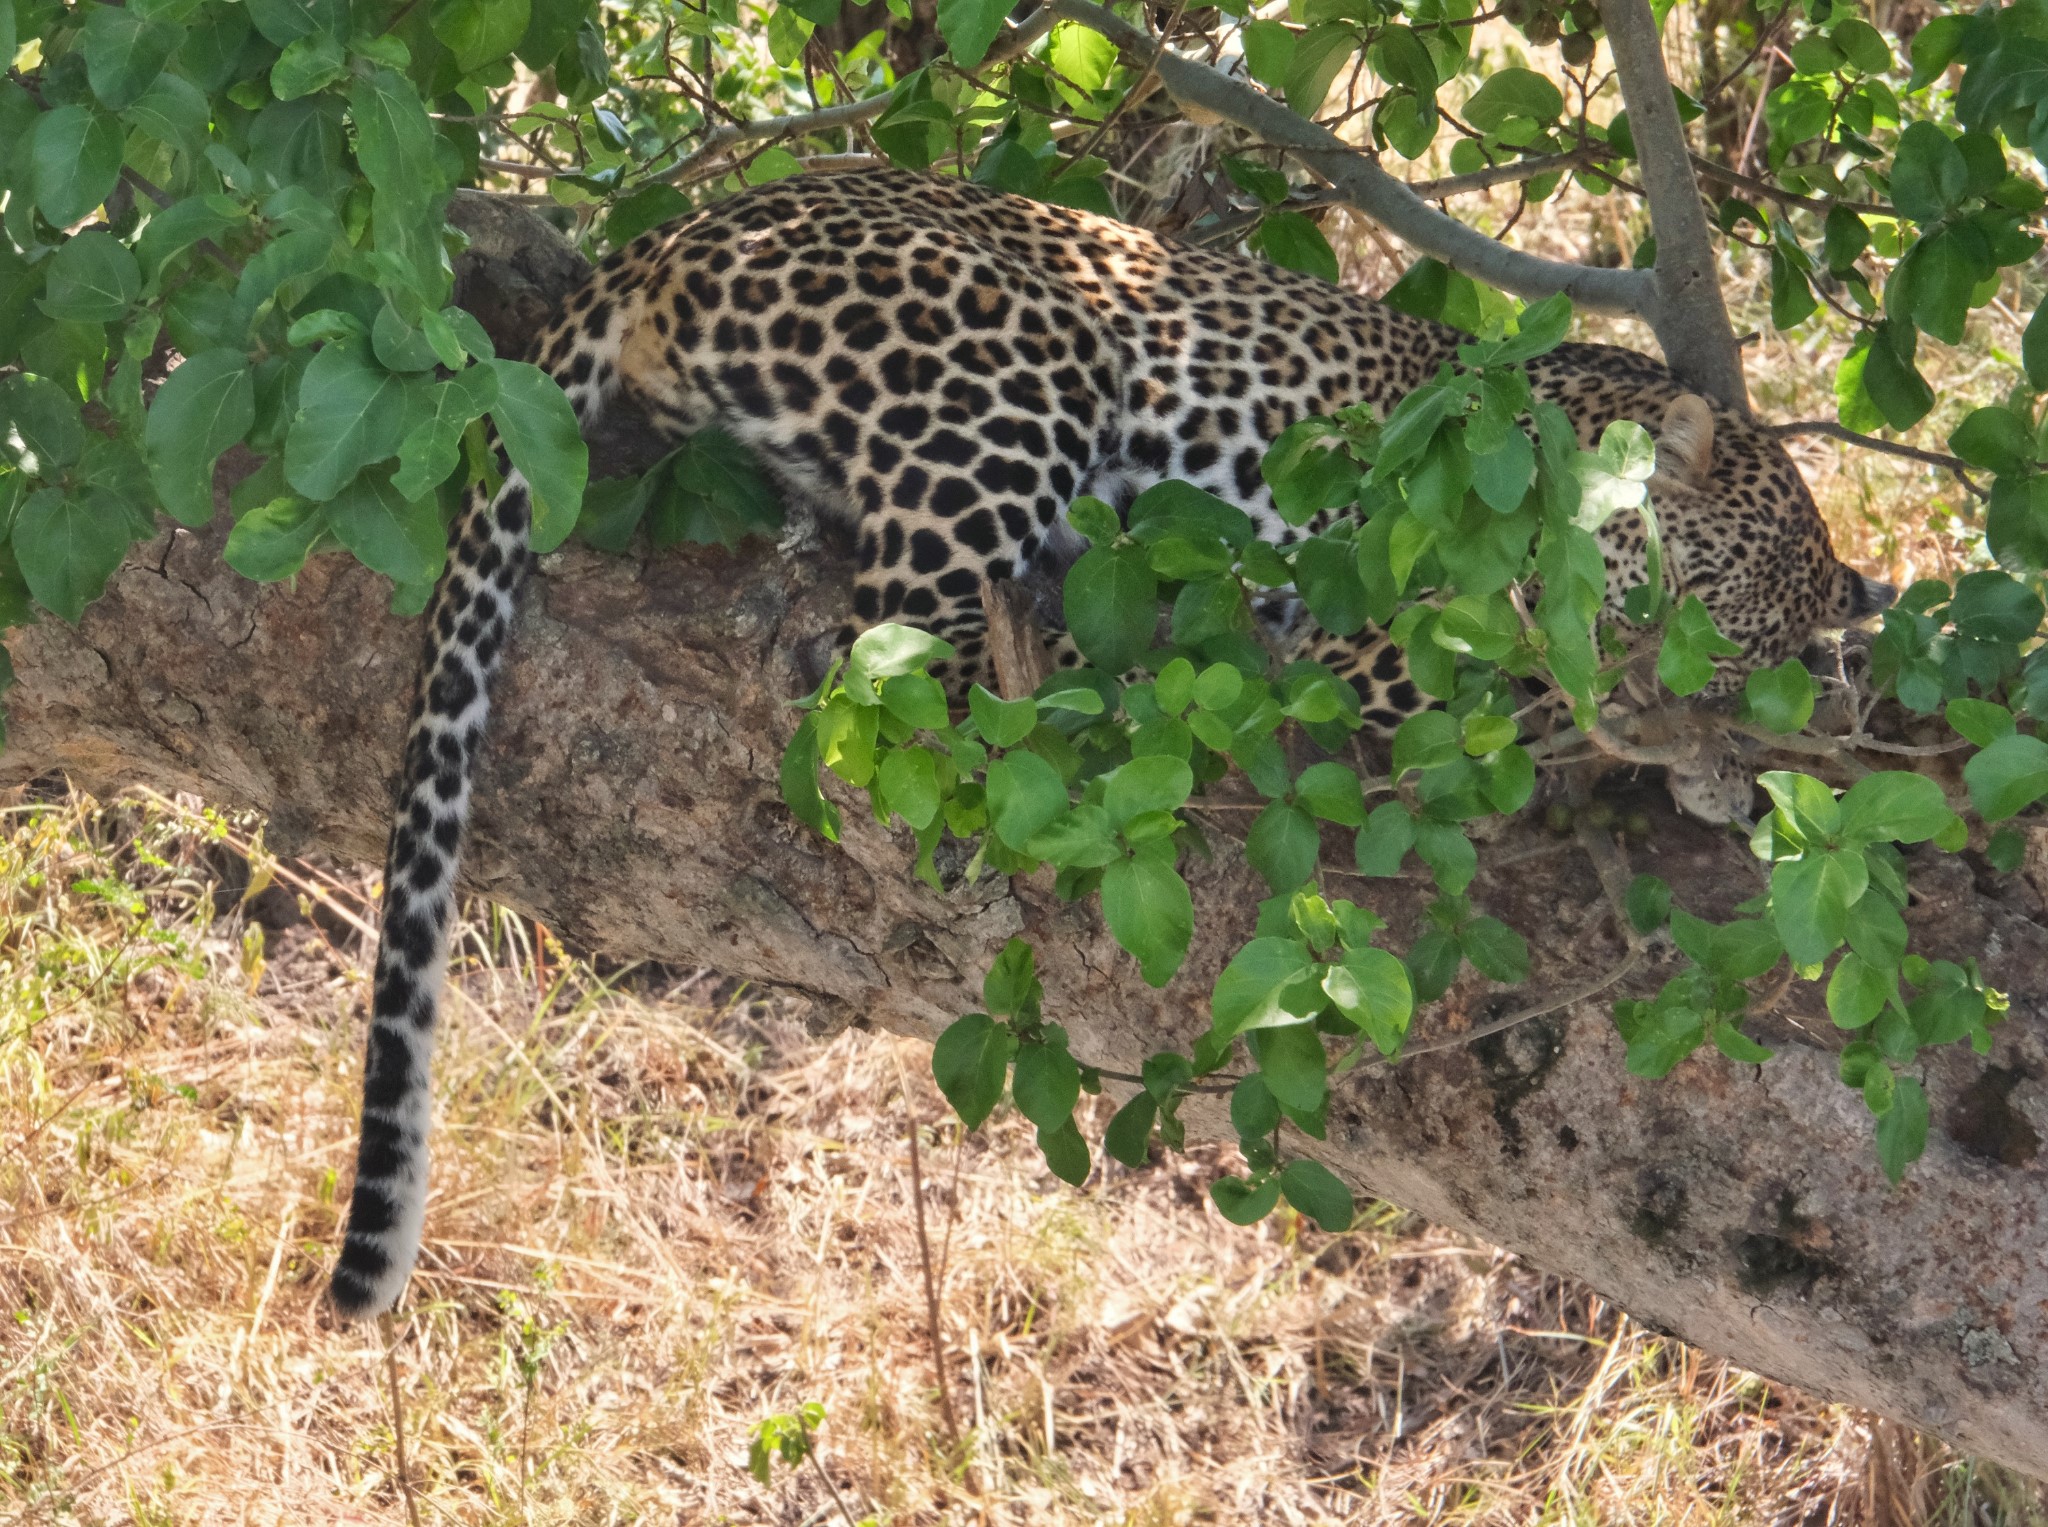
(1689, 317)
(1847, 436)
(1355, 176)
(1749, 183)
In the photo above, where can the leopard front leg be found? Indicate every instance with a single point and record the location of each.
(927, 571)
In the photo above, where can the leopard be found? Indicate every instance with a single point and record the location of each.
(942, 369)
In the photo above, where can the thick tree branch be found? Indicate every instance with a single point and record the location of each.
(1689, 317)
(1389, 202)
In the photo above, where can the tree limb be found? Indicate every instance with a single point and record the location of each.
(1360, 181)
(1689, 316)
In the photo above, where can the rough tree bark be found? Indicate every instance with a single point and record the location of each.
(628, 799)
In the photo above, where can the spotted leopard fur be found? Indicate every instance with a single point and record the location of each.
(944, 369)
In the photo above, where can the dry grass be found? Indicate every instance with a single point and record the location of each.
(661, 1215)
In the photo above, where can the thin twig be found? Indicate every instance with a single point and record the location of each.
(1526, 1015)
(1835, 431)
(1144, 83)
(811, 1453)
(412, 1508)
(924, 1257)
(1764, 188)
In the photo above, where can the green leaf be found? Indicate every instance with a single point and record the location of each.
(718, 495)
(1858, 991)
(908, 779)
(2008, 776)
(1449, 854)
(74, 162)
(799, 781)
(1863, 44)
(91, 279)
(1902, 1132)
(541, 435)
(1082, 839)
(1270, 981)
(285, 21)
(2034, 349)
(307, 64)
(1065, 1152)
(1426, 741)
(1180, 508)
(395, 141)
(1780, 698)
(969, 27)
(1995, 439)
(1372, 990)
(1129, 1136)
(1894, 806)
(1155, 783)
(1691, 643)
(44, 418)
(1331, 791)
(1002, 723)
(1025, 793)
(1269, 52)
(648, 207)
(1649, 903)
(1083, 56)
(480, 32)
(889, 651)
(203, 407)
(124, 52)
(1994, 606)
(1738, 1046)
(1289, 239)
(399, 537)
(1294, 1064)
(1047, 1084)
(351, 413)
(1495, 950)
(1928, 174)
(1807, 804)
(1979, 720)
(1510, 93)
(1320, 54)
(1898, 390)
(272, 540)
(68, 545)
(1112, 606)
(1269, 186)
(1389, 834)
(1810, 900)
(1011, 984)
(1150, 913)
(1242, 1202)
(432, 448)
(1283, 845)
(969, 1062)
(1316, 1191)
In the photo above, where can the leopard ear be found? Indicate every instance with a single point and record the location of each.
(1685, 443)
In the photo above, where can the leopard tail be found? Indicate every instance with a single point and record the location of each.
(468, 624)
